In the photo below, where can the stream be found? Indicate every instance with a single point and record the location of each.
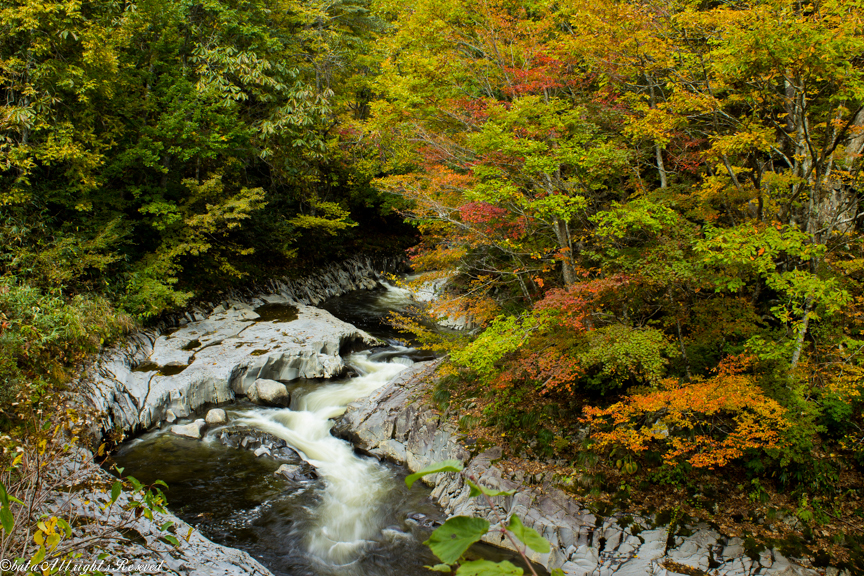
(356, 518)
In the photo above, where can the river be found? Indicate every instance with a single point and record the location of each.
(355, 519)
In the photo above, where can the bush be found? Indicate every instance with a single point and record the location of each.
(43, 336)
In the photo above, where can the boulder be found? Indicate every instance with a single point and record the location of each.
(290, 472)
(269, 392)
(296, 473)
(192, 430)
(250, 439)
(216, 417)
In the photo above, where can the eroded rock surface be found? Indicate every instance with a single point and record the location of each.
(394, 423)
(224, 355)
(209, 357)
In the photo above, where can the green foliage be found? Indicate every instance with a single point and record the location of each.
(528, 535)
(451, 540)
(143, 142)
(619, 354)
(443, 466)
(505, 335)
(487, 568)
(42, 335)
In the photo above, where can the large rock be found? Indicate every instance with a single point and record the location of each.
(231, 352)
(251, 439)
(269, 393)
(216, 417)
(192, 430)
(295, 472)
(391, 423)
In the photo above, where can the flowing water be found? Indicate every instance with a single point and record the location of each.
(356, 518)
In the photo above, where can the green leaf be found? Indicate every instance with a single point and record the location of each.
(528, 536)
(487, 568)
(4, 497)
(39, 556)
(65, 525)
(476, 490)
(171, 539)
(444, 466)
(450, 540)
(136, 485)
(115, 491)
(557, 572)
(440, 568)
(6, 519)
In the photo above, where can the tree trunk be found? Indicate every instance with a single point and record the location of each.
(563, 234)
(660, 166)
(683, 350)
(802, 331)
(658, 151)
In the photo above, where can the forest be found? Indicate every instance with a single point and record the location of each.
(648, 213)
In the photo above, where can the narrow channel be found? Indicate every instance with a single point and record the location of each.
(353, 516)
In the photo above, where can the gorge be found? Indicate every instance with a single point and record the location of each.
(307, 502)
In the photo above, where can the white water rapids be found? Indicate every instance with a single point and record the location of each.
(348, 516)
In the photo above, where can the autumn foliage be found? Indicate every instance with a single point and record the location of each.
(708, 422)
(629, 199)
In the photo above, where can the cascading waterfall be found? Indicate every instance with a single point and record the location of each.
(349, 515)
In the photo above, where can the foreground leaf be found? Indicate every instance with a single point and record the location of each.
(115, 491)
(528, 536)
(444, 466)
(477, 490)
(453, 538)
(487, 568)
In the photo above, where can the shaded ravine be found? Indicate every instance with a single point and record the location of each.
(355, 518)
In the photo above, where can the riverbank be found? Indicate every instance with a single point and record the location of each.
(398, 423)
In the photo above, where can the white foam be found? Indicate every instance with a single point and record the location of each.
(348, 515)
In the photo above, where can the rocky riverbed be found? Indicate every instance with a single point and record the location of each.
(209, 357)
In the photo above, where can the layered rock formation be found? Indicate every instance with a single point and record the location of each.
(394, 423)
(209, 358)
